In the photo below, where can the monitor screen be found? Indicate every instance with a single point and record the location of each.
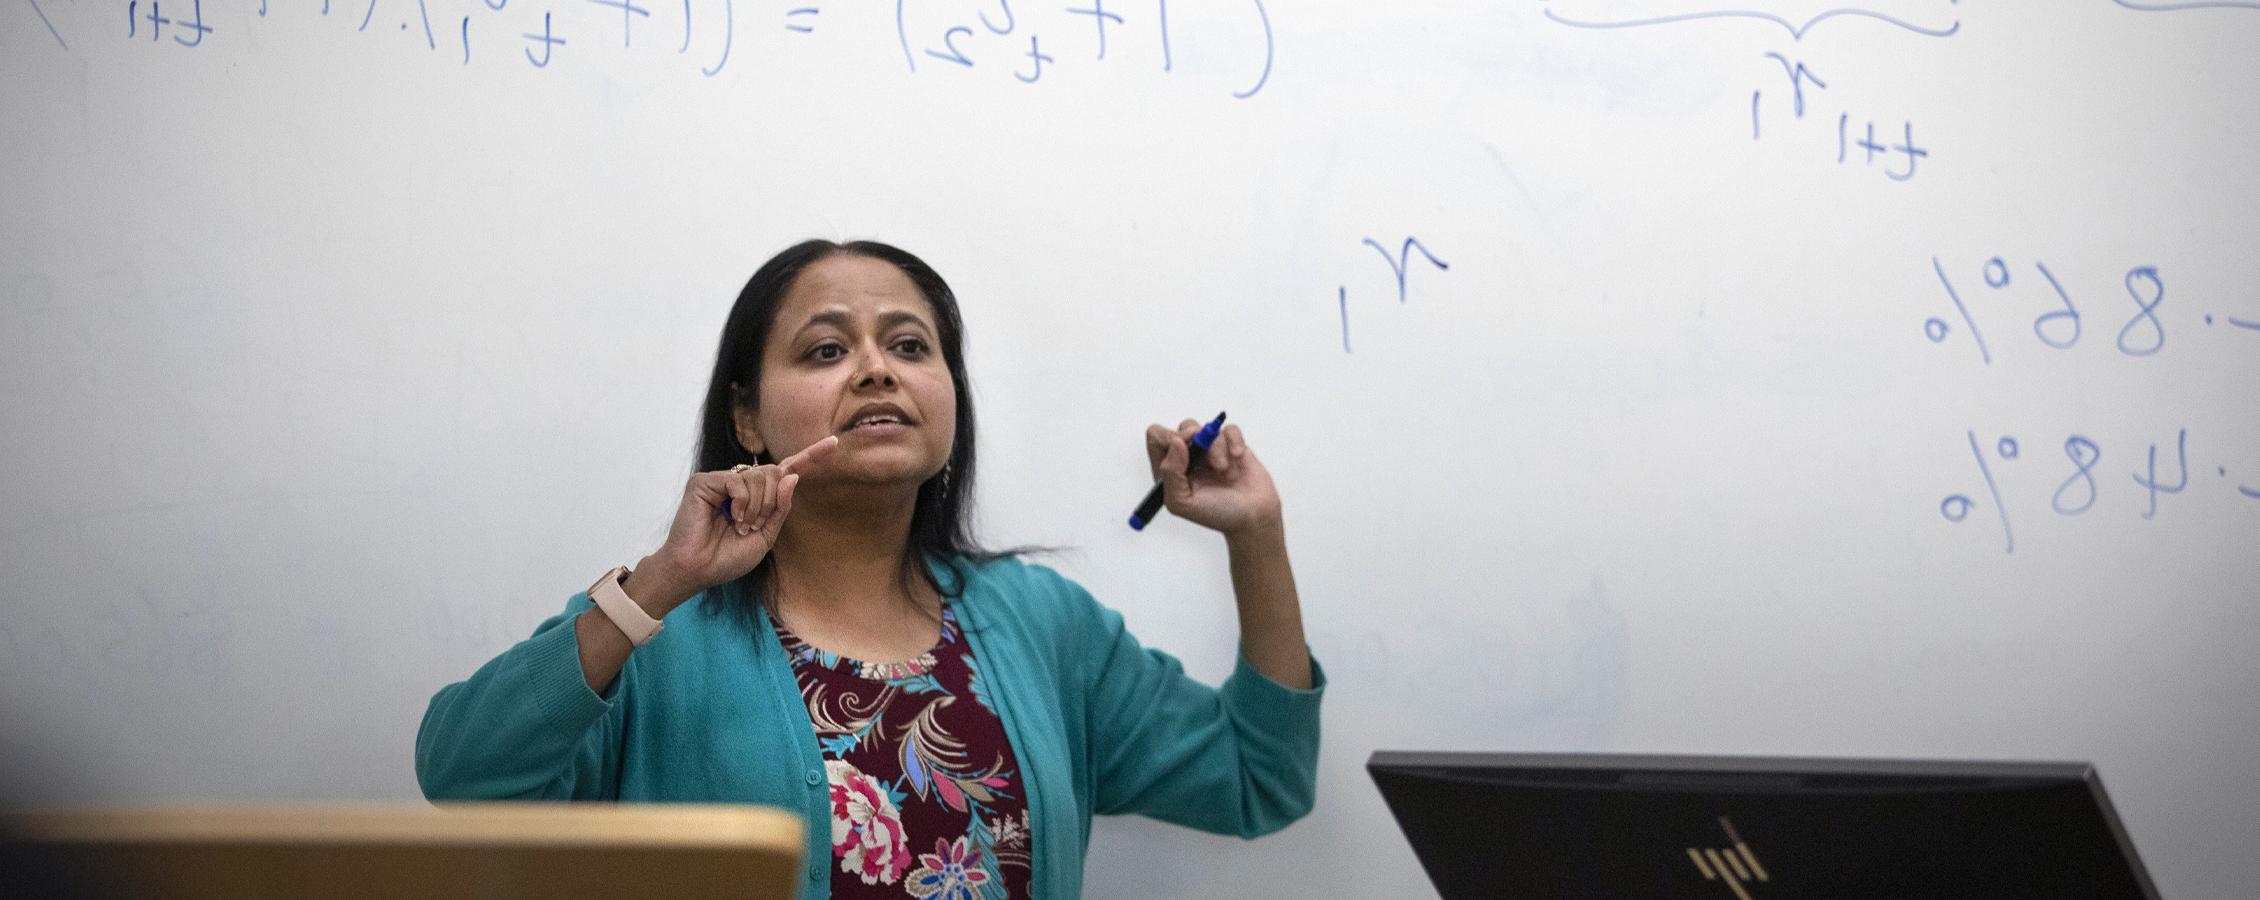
(1544, 825)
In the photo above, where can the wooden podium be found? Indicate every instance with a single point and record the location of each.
(468, 850)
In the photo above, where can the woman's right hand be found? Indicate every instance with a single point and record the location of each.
(704, 549)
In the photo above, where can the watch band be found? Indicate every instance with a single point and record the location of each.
(632, 621)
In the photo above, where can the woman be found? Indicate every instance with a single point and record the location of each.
(947, 719)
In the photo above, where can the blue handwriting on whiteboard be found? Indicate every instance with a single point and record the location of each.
(729, 25)
(1398, 263)
(1098, 13)
(2077, 492)
(1161, 11)
(1906, 146)
(2060, 326)
(548, 41)
(1342, 300)
(1009, 21)
(2149, 479)
(50, 25)
(1798, 75)
(959, 43)
(949, 41)
(157, 22)
(420, 11)
(628, 13)
(1036, 59)
(975, 40)
(2178, 7)
(1797, 31)
(1269, 44)
(1956, 507)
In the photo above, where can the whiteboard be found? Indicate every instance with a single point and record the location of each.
(1650, 376)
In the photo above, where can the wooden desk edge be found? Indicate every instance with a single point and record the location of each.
(449, 824)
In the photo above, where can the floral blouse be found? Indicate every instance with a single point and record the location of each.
(926, 799)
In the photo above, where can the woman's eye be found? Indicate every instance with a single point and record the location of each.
(826, 352)
(911, 346)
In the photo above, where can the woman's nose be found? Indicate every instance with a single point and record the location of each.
(875, 373)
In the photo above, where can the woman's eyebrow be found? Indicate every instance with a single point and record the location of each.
(897, 317)
(845, 322)
(833, 318)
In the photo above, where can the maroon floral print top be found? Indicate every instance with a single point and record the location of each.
(926, 799)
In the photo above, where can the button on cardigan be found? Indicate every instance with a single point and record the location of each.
(709, 712)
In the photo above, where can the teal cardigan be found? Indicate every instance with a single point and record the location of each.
(708, 712)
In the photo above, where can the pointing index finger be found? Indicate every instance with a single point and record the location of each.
(810, 458)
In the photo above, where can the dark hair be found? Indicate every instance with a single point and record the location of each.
(940, 524)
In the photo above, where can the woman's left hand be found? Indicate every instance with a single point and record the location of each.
(1230, 492)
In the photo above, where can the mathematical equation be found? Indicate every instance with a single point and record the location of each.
(954, 41)
(1866, 145)
(495, 30)
(1896, 149)
(2062, 323)
(1856, 137)
(2080, 487)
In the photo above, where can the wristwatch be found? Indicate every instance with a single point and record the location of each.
(632, 621)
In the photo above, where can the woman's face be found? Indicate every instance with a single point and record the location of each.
(855, 352)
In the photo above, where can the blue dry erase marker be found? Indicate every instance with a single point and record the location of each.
(1198, 447)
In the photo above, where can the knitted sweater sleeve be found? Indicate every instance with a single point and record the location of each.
(525, 726)
(1241, 759)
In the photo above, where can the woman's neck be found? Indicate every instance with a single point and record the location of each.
(842, 559)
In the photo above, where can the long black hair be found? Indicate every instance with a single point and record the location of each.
(941, 524)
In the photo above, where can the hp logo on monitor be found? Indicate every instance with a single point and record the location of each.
(1735, 865)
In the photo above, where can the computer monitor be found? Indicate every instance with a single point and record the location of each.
(1741, 828)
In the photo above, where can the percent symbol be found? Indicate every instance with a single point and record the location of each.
(1997, 277)
(1956, 507)
(1935, 328)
